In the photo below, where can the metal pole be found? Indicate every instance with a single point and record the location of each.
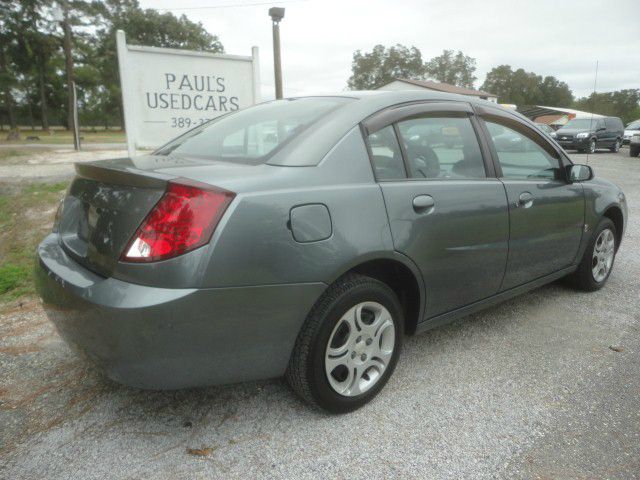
(68, 57)
(76, 127)
(128, 97)
(277, 66)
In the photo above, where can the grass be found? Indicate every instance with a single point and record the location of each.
(16, 156)
(26, 217)
(13, 152)
(64, 137)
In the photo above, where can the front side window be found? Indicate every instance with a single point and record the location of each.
(520, 157)
(254, 134)
(386, 155)
(442, 148)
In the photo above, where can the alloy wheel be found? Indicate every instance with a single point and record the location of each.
(360, 348)
(603, 253)
(592, 146)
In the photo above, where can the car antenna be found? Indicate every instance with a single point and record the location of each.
(593, 106)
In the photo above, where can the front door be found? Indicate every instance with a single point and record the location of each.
(446, 213)
(546, 213)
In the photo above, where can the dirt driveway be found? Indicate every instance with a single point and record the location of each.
(543, 386)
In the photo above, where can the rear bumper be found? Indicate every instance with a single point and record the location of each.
(172, 338)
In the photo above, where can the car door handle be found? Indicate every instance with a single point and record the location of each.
(422, 203)
(525, 200)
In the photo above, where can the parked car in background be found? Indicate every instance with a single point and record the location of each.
(226, 257)
(545, 128)
(589, 134)
(632, 129)
(634, 145)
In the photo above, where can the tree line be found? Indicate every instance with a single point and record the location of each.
(45, 45)
(382, 65)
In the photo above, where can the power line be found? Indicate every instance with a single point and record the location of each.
(234, 5)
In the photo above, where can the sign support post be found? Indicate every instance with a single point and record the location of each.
(76, 127)
(121, 44)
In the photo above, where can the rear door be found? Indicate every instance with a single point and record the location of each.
(546, 212)
(603, 135)
(613, 130)
(447, 211)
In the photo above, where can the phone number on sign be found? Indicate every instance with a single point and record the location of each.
(186, 122)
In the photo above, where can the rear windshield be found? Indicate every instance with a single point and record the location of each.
(255, 134)
(634, 125)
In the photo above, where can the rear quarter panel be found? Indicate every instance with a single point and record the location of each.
(254, 245)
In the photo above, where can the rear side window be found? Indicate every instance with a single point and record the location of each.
(253, 135)
(520, 156)
(442, 148)
(613, 123)
(386, 155)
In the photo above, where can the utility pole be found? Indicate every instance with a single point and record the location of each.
(68, 57)
(277, 14)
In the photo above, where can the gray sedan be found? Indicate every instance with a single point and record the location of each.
(305, 237)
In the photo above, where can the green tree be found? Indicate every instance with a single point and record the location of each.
(621, 103)
(526, 88)
(454, 69)
(35, 46)
(382, 65)
(142, 27)
(8, 80)
(40, 54)
(555, 92)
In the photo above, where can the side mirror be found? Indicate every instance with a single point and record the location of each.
(579, 173)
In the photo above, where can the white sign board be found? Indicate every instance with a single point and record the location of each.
(167, 91)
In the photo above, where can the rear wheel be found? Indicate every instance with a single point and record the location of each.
(597, 261)
(348, 346)
(615, 148)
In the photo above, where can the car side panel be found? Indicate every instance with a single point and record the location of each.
(545, 237)
(600, 195)
(255, 244)
(460, 245)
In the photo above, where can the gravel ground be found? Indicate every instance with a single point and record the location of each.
(51, 162)
(528, 389)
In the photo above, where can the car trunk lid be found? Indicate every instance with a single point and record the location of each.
(104, 206)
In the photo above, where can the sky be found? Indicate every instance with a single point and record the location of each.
(560, 38)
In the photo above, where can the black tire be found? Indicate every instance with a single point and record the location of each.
(615, 148)
(582, 278)
(634, 150)
(306, 372)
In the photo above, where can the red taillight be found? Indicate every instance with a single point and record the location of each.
(183, 219)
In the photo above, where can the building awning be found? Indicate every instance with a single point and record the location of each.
(536, 111)
(445, 87)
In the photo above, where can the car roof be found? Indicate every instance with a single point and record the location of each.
(398, 96)
(315, 142)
